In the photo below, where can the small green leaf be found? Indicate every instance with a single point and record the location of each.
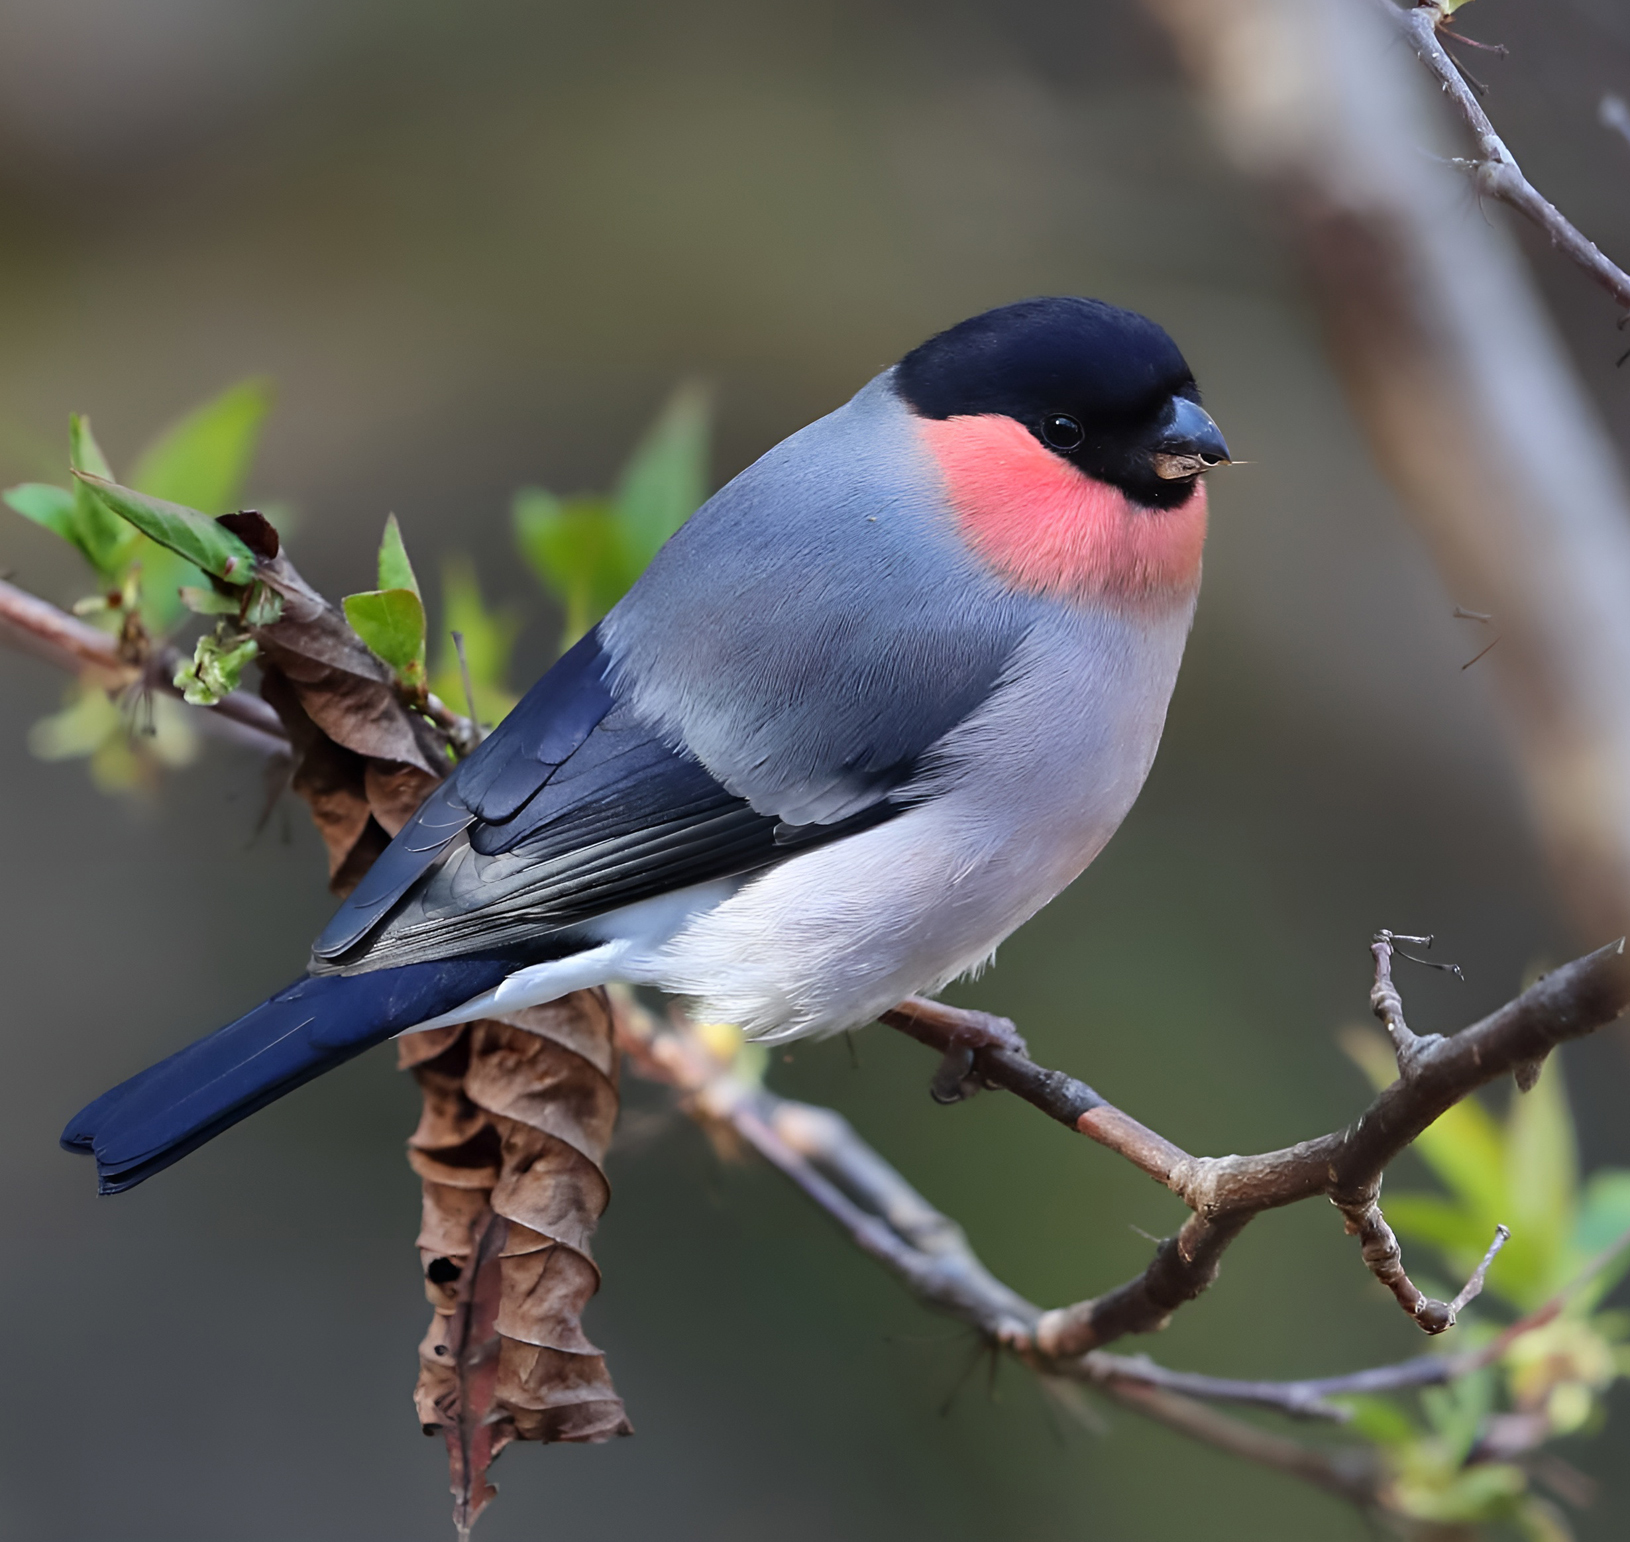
(185, 531)
(263, 606)
(1457, 1411)
(106, 542)
(1379, 1419)
(395, 571)
(665, 479)
(1542, 1180)
(391, 622)
(216, 666)
(489, 636)
(202, 460)
(578, 551)
(46, 505)
(79, 729)
(84, 453)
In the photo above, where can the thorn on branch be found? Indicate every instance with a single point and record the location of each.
(1526, 1073)
(1479, 86)
(1497, 49)
(1614, 115)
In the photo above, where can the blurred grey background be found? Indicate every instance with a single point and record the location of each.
(475, 245)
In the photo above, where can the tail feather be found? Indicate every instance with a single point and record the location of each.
(156, 1117)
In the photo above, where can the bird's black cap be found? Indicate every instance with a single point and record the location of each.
(1095, 383)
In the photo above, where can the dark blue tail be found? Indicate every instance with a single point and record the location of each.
(321, 1021)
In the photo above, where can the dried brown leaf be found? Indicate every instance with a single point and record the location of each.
(332, 781)
(517, 1116)
(458, 1391)
(517, 1112)
(347, 692)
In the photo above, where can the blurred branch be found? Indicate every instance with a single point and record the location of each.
(1495, 169)
(1470, 403)
(35, 626)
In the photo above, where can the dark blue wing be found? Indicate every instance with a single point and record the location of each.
(573, 807)
(551, 721)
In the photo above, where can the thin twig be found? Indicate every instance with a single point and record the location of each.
(1226, 1193)
(822, 1154)
(36, 626)
(1495, 168)
(40, 628)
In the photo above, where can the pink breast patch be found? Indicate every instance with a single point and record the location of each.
(1052, 529)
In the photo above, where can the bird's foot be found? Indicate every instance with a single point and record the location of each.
(962, 1035)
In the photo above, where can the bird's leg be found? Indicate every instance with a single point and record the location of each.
(962, 1035)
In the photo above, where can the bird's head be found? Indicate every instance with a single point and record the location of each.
(1072, 443)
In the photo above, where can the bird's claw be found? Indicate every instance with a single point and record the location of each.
(984, 1030)
(954, 1080)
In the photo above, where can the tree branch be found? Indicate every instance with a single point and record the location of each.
(821, 1153)
(38, 627)
(1226, 1193)
(1495, 168)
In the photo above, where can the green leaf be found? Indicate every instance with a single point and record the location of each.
(391, 622)
(185, 531)
(106, 542)
(202, 460)
(1379, 1419)
(1542, 1181)
(1462, 1234)
(395, 571)
(488, 636)
(1457, 1411)
(1604, 1211)
(666, 477)
(79, 729)
(578, 551)
(216, 666)
(1465, 1147)
(84, 453)
(46, 505)
(1602, 1220)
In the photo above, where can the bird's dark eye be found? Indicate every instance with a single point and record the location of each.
(1062, 431)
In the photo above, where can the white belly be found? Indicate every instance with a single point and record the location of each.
(1016, 803)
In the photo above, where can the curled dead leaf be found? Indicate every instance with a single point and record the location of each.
(518, 1113)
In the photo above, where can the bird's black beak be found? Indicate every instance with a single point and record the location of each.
(1187, 442)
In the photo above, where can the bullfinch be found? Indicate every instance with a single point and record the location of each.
(875, 704)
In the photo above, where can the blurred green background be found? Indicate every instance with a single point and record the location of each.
(476, 246)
